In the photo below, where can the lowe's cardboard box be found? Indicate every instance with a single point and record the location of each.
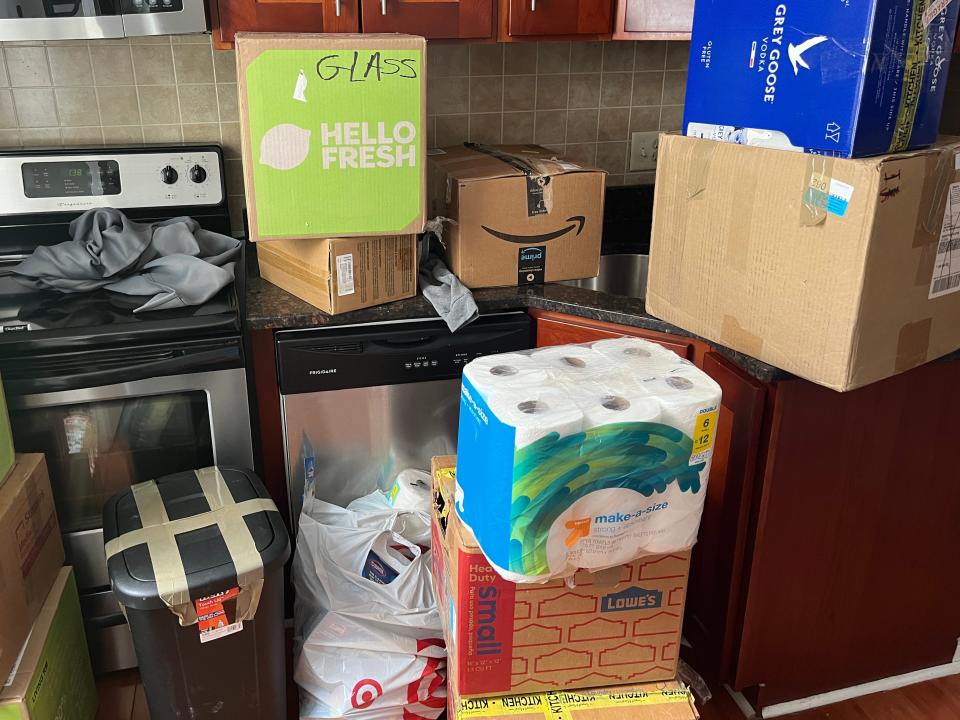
(833, 78)
(342, 274)
(650, 701)
(843, 272)
(333, 131)
(53, 679)
(522, 215)
(613, 627)
(31, 552)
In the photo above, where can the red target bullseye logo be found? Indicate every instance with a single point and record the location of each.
(365, 692)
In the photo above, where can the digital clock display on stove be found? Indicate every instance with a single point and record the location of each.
(70, 178)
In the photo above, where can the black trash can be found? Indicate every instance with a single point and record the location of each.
(196, 560)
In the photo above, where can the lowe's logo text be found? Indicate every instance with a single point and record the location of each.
(633, 598)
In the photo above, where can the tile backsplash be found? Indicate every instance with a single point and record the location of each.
(583, 98)
(157, 89)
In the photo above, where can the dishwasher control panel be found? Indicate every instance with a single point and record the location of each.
(392, 353)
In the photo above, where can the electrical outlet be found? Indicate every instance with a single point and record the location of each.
(643, 151)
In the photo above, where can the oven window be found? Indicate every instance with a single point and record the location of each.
(100, 448)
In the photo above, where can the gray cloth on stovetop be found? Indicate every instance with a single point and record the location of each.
(175, 261)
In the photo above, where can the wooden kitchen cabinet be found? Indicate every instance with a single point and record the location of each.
(653, 20)
(828, 548)
(545, 19)
(559, 329)
(855, 572)
(433, 19)
(712, 615)
(228, 17)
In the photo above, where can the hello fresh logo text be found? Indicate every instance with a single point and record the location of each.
(364, 145)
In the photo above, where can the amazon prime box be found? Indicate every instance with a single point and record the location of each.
(522, 215)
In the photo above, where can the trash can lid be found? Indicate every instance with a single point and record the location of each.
(207, 562)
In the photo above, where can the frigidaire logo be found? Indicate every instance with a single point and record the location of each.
(633, 598)
(323, 371)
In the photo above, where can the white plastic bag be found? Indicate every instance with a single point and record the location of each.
(367, 629)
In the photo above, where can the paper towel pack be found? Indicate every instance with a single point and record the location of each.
(583, 456)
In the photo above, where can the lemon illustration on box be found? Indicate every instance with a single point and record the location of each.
(333, 134)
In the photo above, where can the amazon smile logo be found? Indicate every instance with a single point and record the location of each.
(577, 220)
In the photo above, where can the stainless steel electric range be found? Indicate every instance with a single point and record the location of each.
(112, 397)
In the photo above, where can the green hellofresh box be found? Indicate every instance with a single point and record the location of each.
(53, 679)
(333, 130)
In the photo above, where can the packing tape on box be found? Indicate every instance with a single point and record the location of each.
(561, 705)
(816, 190)
(913, 341)
(936, 189)
(159, 534)
(734, 335)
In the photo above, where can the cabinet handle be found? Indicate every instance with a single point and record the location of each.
(383, 7)
(336, 7)
(533, 5)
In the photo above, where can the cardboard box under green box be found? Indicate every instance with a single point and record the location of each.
(53, 679)
(333, 133)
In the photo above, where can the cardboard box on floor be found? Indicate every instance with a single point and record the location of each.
(843, 272)
(651, 701)
(54, 680)
(333, 130)
(613, 627)
(6, 441)
(342, 274)
(522, 215)
(31, 552)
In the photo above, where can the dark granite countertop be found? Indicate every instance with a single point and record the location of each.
(269, 307)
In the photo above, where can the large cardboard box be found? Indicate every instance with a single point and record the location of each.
(843, 272)
(31, 552)
(616, 626)
(833, 78)
(6, 439)
(650, 701)
(333, 131)
(53, 679)
(522, 215)
(342, 274)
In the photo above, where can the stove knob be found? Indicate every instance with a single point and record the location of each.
(198, 174)
(168, 175)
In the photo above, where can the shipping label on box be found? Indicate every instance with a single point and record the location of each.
(616, 626)
(333, 134)
(835, 78)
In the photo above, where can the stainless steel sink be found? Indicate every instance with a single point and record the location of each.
(622, 274)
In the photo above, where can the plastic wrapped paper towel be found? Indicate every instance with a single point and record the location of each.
(583, 456)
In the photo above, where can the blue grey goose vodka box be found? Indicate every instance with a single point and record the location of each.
(845, 78)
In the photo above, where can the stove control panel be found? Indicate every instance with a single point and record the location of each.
(136, 178)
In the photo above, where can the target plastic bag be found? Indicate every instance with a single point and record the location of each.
(367, 628)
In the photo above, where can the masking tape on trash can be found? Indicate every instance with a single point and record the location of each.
(159, 534)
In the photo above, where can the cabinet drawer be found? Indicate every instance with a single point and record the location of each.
(433, 19)
(536, 18)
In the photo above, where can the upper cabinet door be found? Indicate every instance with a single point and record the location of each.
(232, 16)
(433, 19)
(530, 19)
(654, 19)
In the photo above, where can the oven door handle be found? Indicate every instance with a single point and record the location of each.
(199, 361)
